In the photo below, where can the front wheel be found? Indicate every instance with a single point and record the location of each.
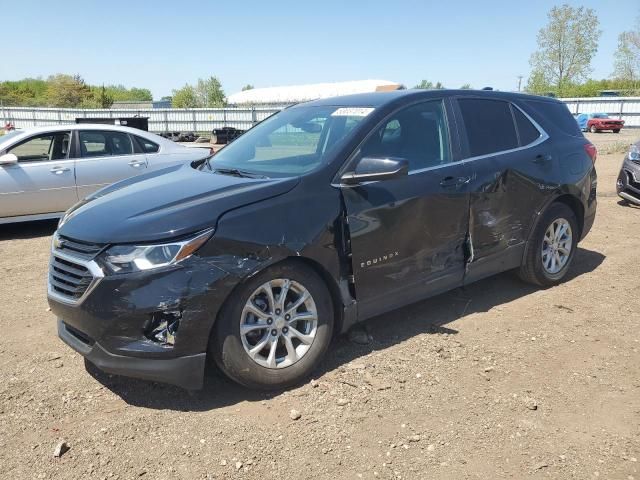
(593, 129)
(551, 247)
(616, 130)
(275, 328)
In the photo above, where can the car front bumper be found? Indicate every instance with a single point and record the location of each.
(113, 323)
(628, 183)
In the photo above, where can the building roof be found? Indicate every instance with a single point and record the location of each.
(303, 93)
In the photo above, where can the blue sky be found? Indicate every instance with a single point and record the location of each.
(163, 44)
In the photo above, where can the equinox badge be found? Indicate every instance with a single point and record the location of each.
(375, 261)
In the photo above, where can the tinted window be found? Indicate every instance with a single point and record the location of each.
(101, 144)
(147, 146)
(489, 125)
(418, 134)
(527, 132)
(557, 114)
(50, 146)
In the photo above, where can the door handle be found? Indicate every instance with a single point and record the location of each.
(136, 163)
(59, 170)
(448, 182)
(542, 159)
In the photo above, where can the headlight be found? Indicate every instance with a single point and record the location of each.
(136, 258)
(634, 152)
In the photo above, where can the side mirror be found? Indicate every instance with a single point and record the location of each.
(8, 159)
(371, 169)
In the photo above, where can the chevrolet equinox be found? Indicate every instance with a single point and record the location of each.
(323, 215)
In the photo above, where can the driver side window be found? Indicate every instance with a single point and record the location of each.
(46, 147)
(417, 134)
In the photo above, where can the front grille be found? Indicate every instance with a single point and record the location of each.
(637, 162)
(72, 269)
(77, 248)
(69, 278)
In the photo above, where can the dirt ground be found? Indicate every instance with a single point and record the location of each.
(496, 380)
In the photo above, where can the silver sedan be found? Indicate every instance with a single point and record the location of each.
(45, 170)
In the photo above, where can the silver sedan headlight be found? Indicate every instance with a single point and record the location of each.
(137, 258)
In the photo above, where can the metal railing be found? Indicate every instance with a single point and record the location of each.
(206, 119)
(160, 120)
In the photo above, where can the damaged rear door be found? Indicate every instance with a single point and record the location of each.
(508, 160)
(408, 234)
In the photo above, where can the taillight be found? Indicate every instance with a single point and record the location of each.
(592, 151)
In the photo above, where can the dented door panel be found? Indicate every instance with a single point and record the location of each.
(407, 237)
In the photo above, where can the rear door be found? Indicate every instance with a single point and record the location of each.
(106, 156)
(43, 179)
(408, 234)
(509, 161)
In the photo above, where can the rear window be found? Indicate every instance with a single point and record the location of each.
(147, 146)
(526, 130)
(557, 114)
(489, 125)
(104, 143)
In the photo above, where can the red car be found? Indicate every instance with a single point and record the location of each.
(598, 122)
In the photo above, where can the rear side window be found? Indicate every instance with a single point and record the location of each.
(147, 146)
(527, 132)
(489, 125)
(557, 114)
(102, 144)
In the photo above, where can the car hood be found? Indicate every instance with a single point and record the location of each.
(164, 204)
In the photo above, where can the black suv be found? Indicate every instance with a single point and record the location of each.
(324, 215)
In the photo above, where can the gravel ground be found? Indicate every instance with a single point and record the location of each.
(496, 380)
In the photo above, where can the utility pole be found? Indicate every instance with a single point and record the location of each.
(519, 82)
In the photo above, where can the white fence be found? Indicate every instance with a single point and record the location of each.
(206, 119)
(160, 120)
(624, 108)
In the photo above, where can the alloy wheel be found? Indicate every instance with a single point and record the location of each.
(556, 246)
(278, 323)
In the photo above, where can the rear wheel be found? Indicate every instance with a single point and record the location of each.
(593, 129)
(275, 328)
(551, 247)
(616, 131)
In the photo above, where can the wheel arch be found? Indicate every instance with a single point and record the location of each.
(329, 281)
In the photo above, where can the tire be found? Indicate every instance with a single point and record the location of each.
(616, 131)
(593, 129)
(533, 269)
(229, 348)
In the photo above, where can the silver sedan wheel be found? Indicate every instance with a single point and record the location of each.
(278, 323)
(556, 246)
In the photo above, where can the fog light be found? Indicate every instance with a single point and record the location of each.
(163, 328)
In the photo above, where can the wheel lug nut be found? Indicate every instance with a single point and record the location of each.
(277, 311)
(269, 321)
(274, 332)
(287, 317)
(285, 330)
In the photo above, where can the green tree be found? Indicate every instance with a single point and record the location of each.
(425, 85)
(466, 86)
(566, 46)
(185, 97)
(248, 86)
(67, 91)
(104, 99)
(209, 92)
(627, 57)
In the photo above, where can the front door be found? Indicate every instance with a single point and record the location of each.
(43, 179)
(408, 234)
(106, 156)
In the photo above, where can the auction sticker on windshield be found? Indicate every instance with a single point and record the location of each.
(352, 112)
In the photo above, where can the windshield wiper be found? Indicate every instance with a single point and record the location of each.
(237, 172)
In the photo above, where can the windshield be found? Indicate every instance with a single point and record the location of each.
(292, 142)
(600, 115)
(10, 135)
